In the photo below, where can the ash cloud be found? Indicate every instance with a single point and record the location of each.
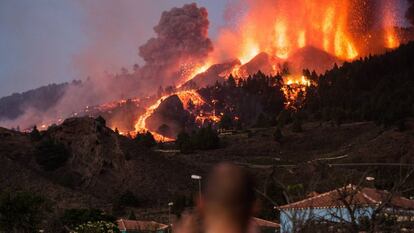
(181, 39)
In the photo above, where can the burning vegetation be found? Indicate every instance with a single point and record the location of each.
(264, 64)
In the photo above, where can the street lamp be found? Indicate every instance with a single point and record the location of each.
(170, 204)
(197, 177)
(370, 178)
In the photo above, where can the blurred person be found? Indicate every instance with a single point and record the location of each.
(227, 205)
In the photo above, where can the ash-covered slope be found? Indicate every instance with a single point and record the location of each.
(100, 165)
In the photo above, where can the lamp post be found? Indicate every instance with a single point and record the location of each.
(170, 204)
(197, 177)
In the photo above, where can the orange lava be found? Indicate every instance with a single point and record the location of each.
(185, 96)
(280, 27)
(293, 88)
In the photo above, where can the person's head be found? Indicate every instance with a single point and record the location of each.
(229, 196)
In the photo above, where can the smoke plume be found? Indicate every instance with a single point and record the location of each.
(181, 42)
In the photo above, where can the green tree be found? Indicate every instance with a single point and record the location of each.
(206, 139)
(75, 217)
(184, 142)
(21, 211)
(226, 122)
(146, 139)
(231, 82)
(96, 227)
(35, 134)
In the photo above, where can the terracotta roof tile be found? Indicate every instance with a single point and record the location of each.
(353, 196)
(140, 225)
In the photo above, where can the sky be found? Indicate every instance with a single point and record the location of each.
(54, 41)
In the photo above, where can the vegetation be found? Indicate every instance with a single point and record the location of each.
(21, 211)
(257, 100)
(35, 134)
(51, 155)
(145, 139)
(40, 99)
(76, 217)
(205, 138)
(96, 227)
(375, 88)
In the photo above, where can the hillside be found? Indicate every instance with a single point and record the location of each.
(376, 88)
(101, 165)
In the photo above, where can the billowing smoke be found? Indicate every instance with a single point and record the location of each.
(410, 12)
(181, 42)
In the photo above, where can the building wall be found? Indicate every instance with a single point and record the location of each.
(291, 220)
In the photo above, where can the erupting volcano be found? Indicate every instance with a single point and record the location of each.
(278, 38)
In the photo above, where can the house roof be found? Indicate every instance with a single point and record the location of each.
(129, 225)
(351, 195)
(265, 223)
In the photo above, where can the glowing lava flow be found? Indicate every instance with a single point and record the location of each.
(140, 126)
(185, 96)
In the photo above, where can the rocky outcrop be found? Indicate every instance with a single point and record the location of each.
(169, 118)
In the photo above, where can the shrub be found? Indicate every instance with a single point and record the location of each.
(146, 139)
(21, 211)
(96, 227)
(75, 217)
(184, 142)
(35, 134)
(204, 139)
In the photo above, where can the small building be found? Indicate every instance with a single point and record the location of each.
(134, 226)
(343, 205)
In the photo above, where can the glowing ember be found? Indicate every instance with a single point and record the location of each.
(391, 39)
(191, 72)
(295, 90)
(280, 27)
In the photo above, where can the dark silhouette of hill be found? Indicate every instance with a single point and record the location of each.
(376, 88)
(42, 99)
(83, 163)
